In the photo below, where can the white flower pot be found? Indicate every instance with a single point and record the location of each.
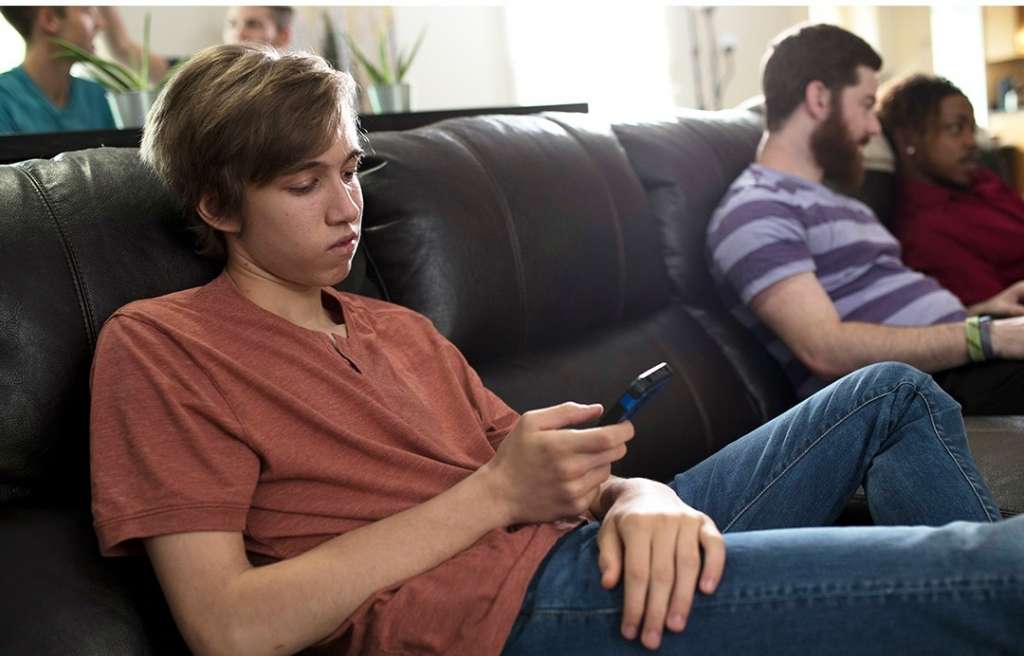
(130, 107)
(388, 98)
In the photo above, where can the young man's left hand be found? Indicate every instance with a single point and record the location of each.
(653, 542)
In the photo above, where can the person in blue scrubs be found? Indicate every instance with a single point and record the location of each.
(41, 95)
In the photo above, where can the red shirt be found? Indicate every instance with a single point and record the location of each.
(971, 240)
(210, 413)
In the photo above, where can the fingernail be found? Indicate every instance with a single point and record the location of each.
(708, 585)
(652, 638)
(629, 631)
(677, 622)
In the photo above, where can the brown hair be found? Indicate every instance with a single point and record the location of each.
(913, 102)
(238, 115)
(799, 56)
(24, 18)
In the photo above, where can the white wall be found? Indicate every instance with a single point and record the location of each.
(464, 58)
(751, 29)
(904, 41)
(175, 31)
(958, 52)
(615, 59)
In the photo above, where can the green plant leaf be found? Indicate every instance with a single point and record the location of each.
(385, 58)
(403, 65)
(125, 78)
(376, 76)
(98, 74)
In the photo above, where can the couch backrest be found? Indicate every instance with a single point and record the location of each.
(529, 241)
(685, 163)
(533, 245)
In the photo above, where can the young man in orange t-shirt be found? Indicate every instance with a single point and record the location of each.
(395, 505)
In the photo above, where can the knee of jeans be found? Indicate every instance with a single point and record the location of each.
(891, 374)
(894, 373)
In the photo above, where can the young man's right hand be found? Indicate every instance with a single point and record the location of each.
(547, 469)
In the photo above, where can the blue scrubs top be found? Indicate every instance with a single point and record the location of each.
(25, 108)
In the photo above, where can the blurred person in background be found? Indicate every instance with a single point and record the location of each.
(40, 94)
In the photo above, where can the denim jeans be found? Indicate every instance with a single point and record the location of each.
(953, 584)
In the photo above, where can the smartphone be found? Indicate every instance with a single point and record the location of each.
(637, 394)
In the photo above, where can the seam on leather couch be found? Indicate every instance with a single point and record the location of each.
(506, 215)
(88, 313)
(620, 244)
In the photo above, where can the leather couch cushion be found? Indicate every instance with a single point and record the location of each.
(512, 233)
(60, 597)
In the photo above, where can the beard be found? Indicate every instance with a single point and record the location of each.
(838, 155)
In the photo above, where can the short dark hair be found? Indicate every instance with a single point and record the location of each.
(913, 102)
(282, 17)
(23, 18)
(806, 53)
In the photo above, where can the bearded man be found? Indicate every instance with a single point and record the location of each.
(814, 274)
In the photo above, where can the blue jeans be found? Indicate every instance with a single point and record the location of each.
(792, 589)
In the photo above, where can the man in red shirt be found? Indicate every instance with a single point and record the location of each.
(395, 505)
(957, 221)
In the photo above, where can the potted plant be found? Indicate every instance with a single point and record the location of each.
(129, 90)
(388, 91)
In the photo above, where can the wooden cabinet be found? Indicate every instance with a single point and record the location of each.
(1001, 25)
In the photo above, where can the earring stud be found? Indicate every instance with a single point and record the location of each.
(911, 150)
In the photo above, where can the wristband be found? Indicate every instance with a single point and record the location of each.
(972, 331)
(985, 324)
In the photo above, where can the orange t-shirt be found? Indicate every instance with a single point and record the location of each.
(212, 414)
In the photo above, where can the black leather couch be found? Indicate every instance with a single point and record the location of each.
(562, 254)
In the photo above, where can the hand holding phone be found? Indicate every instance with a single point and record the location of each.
(643, 387)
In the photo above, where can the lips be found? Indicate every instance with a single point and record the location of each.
(347, 243)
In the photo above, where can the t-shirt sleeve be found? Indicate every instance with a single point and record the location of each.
(496, 417)
(758, 244)
(166, 450)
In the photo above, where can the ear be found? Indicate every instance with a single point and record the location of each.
(902, 139)
(48, 21)
(818, 100)
(208, 210)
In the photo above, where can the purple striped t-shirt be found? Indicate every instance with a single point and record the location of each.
(771, 225)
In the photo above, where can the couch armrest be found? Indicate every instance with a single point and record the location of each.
(998, 447)
(60, 597)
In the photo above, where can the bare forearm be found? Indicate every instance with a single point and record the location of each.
(854, 345)
(287, 606)
(124, 49)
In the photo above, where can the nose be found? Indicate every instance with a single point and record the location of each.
(874, 125)
(346, 204)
